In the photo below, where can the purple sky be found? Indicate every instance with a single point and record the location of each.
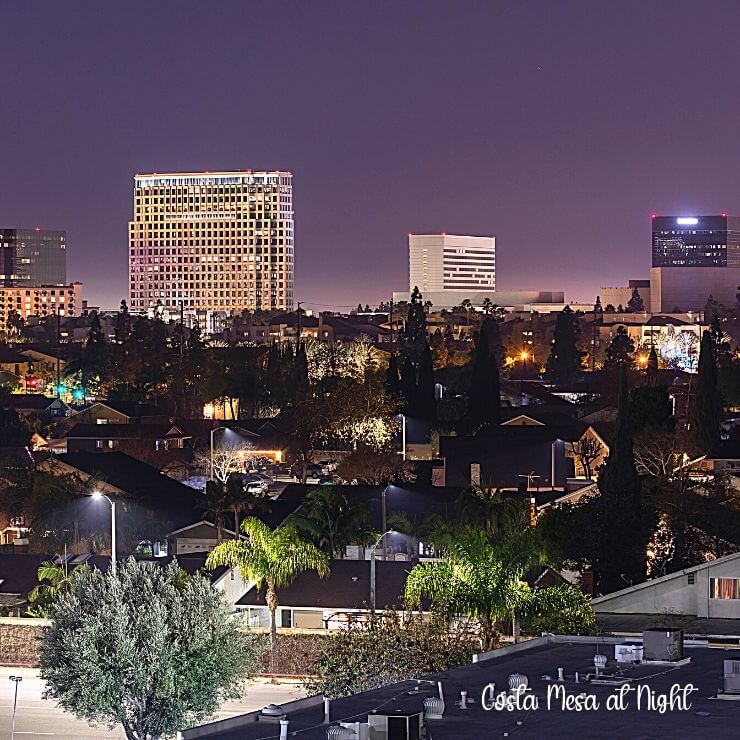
(557, 126)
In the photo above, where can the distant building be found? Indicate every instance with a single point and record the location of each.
(218, 241)
(621, 296)
(33, 257)
(541, 301)
(41, 300)
(442, 262)
(694, 257)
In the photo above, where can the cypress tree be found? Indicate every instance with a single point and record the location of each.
(564, 362)
(301, 368)
(484, 394)
(706, 410)
(621, 522)
(392, 379)
(414, 335)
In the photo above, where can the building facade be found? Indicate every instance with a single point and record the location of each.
(219, 241)
(41, 300)
(441, 262)
(33, 257)
(694, 257)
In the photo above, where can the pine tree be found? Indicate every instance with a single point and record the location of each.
(414, 335)
(123, 323)
(620, 350)
(621, 521)
(635, 303)
(597, 306)
(720, 344)
(706, 409)
(564, 362)
(484, 395)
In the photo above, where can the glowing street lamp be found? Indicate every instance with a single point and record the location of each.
(97, 496)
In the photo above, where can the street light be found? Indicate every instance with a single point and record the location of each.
(16, 680)
(96, 496)
(372, 565)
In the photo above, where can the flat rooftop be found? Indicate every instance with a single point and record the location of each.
(706, 717)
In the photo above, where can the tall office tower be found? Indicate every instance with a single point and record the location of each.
(219, 241)
(445, 262)
(33, 257)
(694, 257)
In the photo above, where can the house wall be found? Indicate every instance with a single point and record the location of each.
(677, 595)
(97, 413)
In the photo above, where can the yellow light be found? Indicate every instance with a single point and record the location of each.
(208, 410)
(642, 359)
(524, 355)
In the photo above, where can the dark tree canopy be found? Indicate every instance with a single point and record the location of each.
(635, 303)
(622, 533)
(564, 364)
(484, 395)
(620, 350)
(705, 415)
(154, 670)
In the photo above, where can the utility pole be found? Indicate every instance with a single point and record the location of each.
(298, 339)
(59, 352)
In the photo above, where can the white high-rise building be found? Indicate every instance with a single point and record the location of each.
(448, 262)
(218, 241)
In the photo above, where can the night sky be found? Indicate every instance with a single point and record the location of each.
(557, 126)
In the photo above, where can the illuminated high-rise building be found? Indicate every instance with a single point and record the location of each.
(30, 257)
(448, 262)
(214, 241)
(693, 258)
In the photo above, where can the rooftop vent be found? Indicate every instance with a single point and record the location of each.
(271, 713)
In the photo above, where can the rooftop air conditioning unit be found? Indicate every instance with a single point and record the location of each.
(628, 653)
(732, 676)
(396, 725)
(664, 645)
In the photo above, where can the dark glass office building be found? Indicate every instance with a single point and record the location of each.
(696, 241)
(32, 257)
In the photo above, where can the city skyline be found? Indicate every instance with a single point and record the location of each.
(527, 122)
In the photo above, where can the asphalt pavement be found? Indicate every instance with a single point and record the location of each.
(37, 717)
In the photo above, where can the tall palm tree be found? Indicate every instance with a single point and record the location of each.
(269, 557)
(331, 521)
(217, 504)
(475, 577)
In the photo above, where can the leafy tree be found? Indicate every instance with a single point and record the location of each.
(562, 610)
(389, 647)
(331, 521)
(272, 558)
(14, 431)
(484, 396)
(152, 670)
(375, 468)
(705, 415)
(635, 303)
(622, 533)
(609, 308)
(425, 392)
(620, 350)
(565, 361)
(650, 406)
(476, 577)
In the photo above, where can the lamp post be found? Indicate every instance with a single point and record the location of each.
(372, 567)
(16, 680)
(97, 495)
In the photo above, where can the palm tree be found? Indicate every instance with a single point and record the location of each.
(487, 506)
(53, 581)
(331, 521)
(269, 557)
(217, 505)
(241, 501)
(476, 577)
